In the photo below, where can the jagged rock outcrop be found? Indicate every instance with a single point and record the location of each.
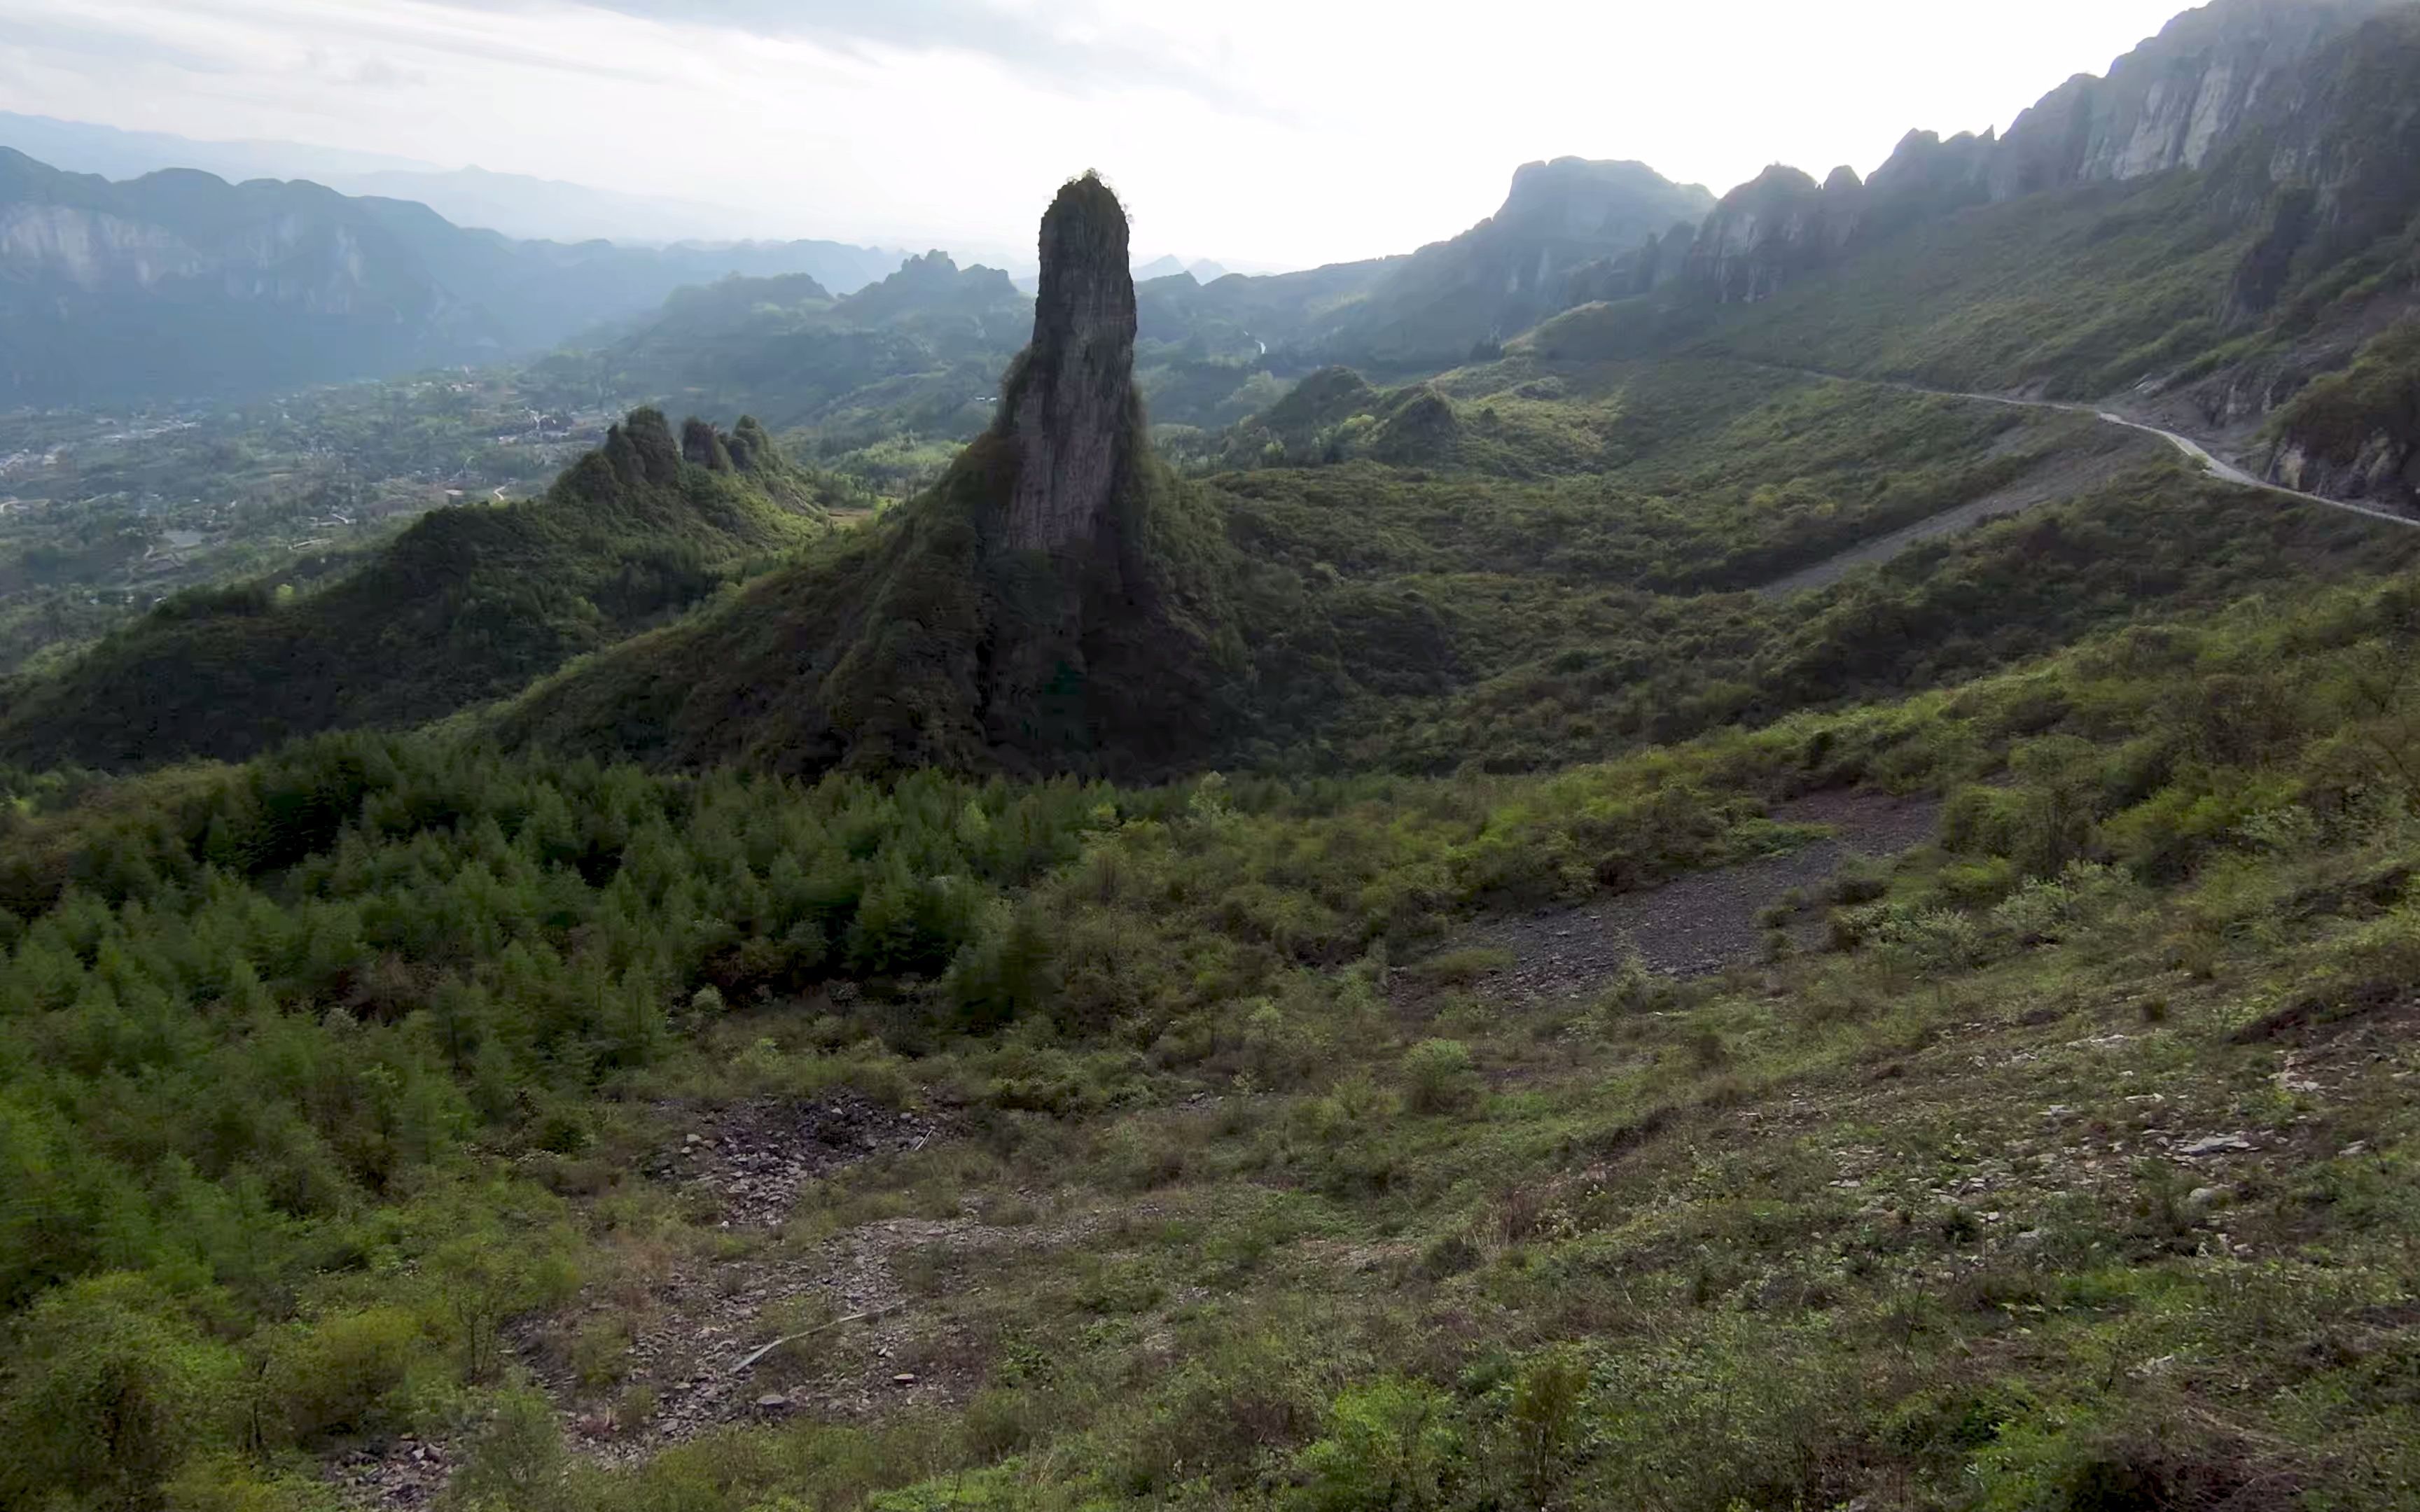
(1773, 230)
(1071, 405)
(2281, 97)
(2353, 433)
(1056, 602)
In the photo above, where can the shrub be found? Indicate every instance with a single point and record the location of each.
(334, 1375)
(1439, 1077)
(1860, 880)
(1460, 968)
(517, 1462)
(107, 1392)
(1543, 1419)
(1388, 1447)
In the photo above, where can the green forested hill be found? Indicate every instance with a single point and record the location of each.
(468, 605)
(919, 351)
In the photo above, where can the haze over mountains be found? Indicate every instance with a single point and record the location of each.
(516, 204)
(181, 284)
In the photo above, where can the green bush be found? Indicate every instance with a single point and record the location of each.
(1391, 1446)
(517, 1462)
(1441, 1077)
(107, 1390)
(334, 1375)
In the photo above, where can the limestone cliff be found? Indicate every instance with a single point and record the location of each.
(2292, 103)
(1071, 405)
(1771, 229)
(2175, 99)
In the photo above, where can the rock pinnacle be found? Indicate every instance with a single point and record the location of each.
(1071, 402)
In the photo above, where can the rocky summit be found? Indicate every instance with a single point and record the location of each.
(1071, 405)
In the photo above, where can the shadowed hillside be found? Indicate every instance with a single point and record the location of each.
(468, 605)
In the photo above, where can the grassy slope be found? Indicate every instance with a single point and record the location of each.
(1926, 1218)
(2078, 293)
(1920, 1223)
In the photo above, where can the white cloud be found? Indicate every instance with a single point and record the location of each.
(1294, 130)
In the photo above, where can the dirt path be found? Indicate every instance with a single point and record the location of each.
(1703, 922)
(2040, 488)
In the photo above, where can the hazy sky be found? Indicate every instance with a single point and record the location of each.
(1291, 131)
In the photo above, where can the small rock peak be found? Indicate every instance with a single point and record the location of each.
(1071, 403)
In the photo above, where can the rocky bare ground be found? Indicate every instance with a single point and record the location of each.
(693, 1323)
(1700, 923)
(754, 1158)
(847, 1339)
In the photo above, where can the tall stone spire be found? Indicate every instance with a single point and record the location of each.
(1071, 403)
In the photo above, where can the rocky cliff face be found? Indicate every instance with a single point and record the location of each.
(1071, 405)
(2288, 98)
(1505, 274)
(2175, 100)
(1771, 229)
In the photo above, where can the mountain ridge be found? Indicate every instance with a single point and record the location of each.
(181, 284)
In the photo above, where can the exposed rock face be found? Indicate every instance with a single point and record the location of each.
(1071, 403)
(1579, 200)
(2280, 94)
(2173, 102)
(1771, 229)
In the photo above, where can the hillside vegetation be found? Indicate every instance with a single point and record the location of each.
(324, 1068)
(1644, 913)
(469, 603)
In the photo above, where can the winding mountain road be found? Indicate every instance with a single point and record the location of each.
(2224, 470)
(2039, 488)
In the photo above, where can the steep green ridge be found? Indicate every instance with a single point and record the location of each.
(1512, 568)
(1567, 582)
(468, 605)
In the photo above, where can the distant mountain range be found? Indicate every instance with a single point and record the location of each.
(516, 205)
(1433, 308)
(181, 284)
(2224, 230)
